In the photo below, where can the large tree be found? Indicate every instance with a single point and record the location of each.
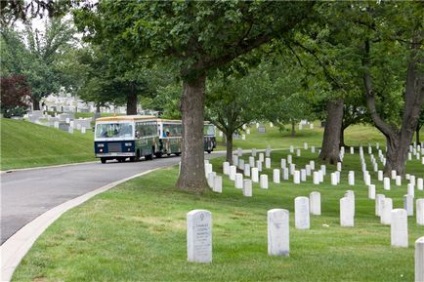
(387, 31)
(198, 37)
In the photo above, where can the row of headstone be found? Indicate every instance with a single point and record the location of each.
(63, 121)
(199, 235)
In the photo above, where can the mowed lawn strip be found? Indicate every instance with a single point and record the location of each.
(137, 232)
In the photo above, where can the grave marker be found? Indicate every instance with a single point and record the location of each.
(264, 181)
(199, 236)
(420, 211)
(386, 211)
(315, 203)
(399, 228)
(278, 232)
(301, 213)
(419, 260)
(346, 212)
(247, 188)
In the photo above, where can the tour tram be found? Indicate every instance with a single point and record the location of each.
(122, 137)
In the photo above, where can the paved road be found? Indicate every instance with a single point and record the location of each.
(26, 194)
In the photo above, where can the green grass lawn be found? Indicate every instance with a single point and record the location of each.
(137, 231)
(25, 144)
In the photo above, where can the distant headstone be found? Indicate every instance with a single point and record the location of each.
(379, 201)
(263, 181)
(408, 204)
(255, 174)
(315, 203)
(226, 168)
(239, 181)
(420, 211)
(217, 184)
(371, 192)
(199, 236)
(278, 232)
(247, 188)
(276, 175)
(399, 228)
(301, 213)
(261, 129)
(386, 211)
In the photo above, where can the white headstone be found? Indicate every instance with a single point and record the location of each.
(420, 184)
(233, 171)
(296, 177)
(239, 181)
(276, 175)
(408, 204)
(346, 212)
(420, 211)
(351, 178)
(211, 179)
(226, 168)
(199, 236)
(267, 162)
(264, 181)
(247, 188)
(286, 173)
(255, 174)
(398, 180)
(399, 228)
(379, 201)
(252, 161)
(419, 260)
(371, 192)
(315, 203)
(247, 170)
(386, 183)
(301, 213)
(261, 157)
(386, 211)
(259, 165)
(217, 184)
(283, 163)
(278, 232)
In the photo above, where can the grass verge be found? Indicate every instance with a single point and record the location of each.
(137, 232)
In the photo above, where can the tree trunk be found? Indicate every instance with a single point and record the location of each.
(192, 176)
(330, 149)
(229, 145)
(132, 102)
(293, 129)
(35, 104)
(398, 140)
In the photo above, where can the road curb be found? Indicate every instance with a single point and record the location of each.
(16, 247)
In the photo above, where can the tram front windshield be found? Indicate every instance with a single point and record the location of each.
(114, 130)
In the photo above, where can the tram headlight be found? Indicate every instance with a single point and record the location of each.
(100, 145)
(128, 144)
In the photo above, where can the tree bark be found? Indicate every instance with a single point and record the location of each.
(35, 104)
(192, 176)
(132, 102)
(229, 145)
(293, 129)
(330, 148)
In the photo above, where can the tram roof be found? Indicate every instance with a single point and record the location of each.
(129, 118)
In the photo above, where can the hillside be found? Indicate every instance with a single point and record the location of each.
(24, 144)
